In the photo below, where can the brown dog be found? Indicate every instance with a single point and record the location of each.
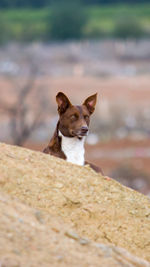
(71, 130)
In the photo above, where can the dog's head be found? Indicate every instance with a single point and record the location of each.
(74, 120)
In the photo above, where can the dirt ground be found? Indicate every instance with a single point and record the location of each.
(131, 90)
(130, 154)
(99, 153)
(53, 211)
(138, 158)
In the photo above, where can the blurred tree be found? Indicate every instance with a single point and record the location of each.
(24, 3)
(66, 20)
(25, 114)
(128, 27)
(4, 31)
(91, 2)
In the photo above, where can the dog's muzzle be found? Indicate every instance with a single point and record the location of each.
(82, 132)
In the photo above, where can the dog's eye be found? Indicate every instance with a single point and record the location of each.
(86, 117)
(73, 117)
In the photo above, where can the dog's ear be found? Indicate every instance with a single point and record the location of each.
(90, 103)
(63, 102)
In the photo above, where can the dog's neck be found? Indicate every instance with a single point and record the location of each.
(73, 149)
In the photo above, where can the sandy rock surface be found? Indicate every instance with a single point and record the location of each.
(54, 213)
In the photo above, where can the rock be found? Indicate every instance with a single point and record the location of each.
(104, 220)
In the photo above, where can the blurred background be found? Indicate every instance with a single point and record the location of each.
(80, 48)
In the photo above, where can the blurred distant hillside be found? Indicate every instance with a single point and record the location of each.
(47, 20)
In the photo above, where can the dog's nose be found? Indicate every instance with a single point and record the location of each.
(84, 129)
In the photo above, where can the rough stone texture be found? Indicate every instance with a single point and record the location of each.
(76, 217)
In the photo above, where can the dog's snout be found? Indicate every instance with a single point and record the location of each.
(84, 129)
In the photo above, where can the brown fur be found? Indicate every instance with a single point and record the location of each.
(54, 146)
(73, 121)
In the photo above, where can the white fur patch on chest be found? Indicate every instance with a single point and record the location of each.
(73, 149)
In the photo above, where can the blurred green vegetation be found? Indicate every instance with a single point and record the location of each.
(23, 24)
(128, 27)
(106, 21)
(43, 3)
(66, 20)
(120, 21)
